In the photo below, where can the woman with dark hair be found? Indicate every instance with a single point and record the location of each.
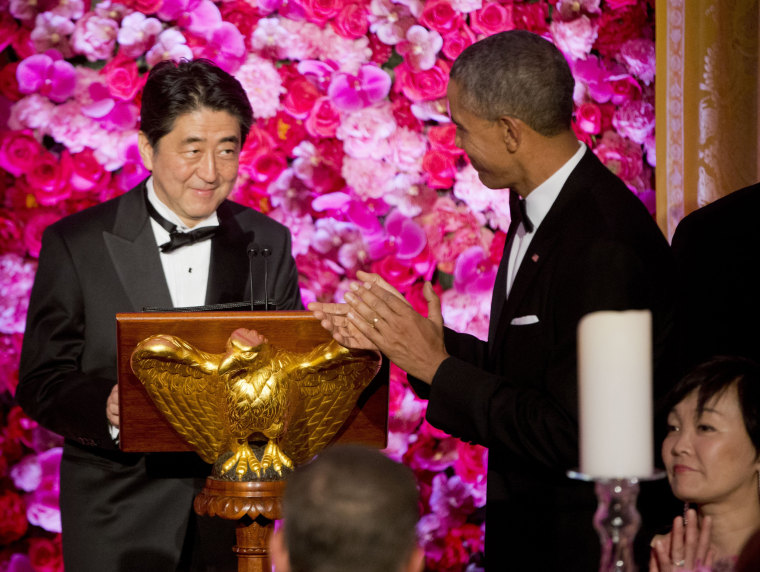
(711, 456)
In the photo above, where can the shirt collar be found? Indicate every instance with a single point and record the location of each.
(541, 199)
(170, 215)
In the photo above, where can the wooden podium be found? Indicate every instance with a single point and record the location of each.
(255, 505)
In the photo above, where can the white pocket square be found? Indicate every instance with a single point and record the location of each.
(524, 320)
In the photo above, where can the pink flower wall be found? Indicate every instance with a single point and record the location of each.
(352, 150)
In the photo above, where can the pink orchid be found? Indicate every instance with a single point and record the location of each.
(225, 46)
(174, 9)
(48, 75)
(406, 237)
(420, 47)
(389, 21)
(474, 272)
(352, 92)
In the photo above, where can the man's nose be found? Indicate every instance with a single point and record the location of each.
(207, 169)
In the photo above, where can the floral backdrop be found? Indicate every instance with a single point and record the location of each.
(352, 150)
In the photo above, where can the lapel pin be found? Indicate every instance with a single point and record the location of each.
(534, 258)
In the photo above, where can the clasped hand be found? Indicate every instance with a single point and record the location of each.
(376, 316)
(686, 548)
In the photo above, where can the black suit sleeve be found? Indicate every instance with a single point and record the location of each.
(287, 291)
(529, 408)
(53, 389)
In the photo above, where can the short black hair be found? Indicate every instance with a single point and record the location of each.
(520, 74)
(715, 376)
(350, 509)
(175, 88)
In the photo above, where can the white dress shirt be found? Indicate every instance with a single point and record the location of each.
(185, 269)
(537, 205)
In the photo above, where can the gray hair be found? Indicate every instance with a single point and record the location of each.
(520, 74)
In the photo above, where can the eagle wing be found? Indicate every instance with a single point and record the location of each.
(183, 383)
(330, 379)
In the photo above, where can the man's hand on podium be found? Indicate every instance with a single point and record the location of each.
(112, 406)
(376, 316)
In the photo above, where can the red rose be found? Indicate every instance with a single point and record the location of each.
(496, 249)
(443, 138)
(402, 113)
(22, 43)
(423, 85)
(9, 83)
(492, 18)
(324, 119)
(624, 88)
(439, 168)
(8, 27)
(397, 274)
(10, 233)
(589, 118)
(242, 15)
(122, 77)
(45, 554)
(34, 228)
(381, 52)
(619, 26)
(531, 17)
(19, 427)
(13, 523)
(352, 22)
(19, 152)
(456, 41)
(441, 17)
(147, 7)
(300, 97)
(286, 130)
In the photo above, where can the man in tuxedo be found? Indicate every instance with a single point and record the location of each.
(172, 241)
(352, 508)
(717, 250)
(584, 243)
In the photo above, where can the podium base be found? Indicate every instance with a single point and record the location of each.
(255, 505)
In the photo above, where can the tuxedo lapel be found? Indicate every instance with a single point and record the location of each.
(539, 251)
(132, 247)
(228, 276)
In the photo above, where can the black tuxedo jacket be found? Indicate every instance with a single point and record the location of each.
(597, 249)
(717, 251)
(122, 511)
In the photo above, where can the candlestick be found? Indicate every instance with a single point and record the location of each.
(615, 394)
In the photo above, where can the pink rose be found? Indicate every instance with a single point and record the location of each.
(45, 554)
(402, 113)
(439, 168)
(618, 4)
(320, 11)
(352, 21)
(456, 41)
(87, 174)
(423, 85)
(13, 523)
(589, 118)
(10, 352)
(471, 463)
(49, 179)
(396, 273)
(443, 138)
(123, 78)
(620, 155)
(624, 88)
(324, 119)
(491, 18)
(441, 16)
(144, 6)
(19, 152)
(575, 37)
(10, 232)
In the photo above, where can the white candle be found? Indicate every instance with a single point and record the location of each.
(615, 394)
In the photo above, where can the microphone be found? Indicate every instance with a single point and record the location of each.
(252, 251)
(265, 253)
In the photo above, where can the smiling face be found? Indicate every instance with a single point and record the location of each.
(709, 457)
(195, 165)
(483, 141)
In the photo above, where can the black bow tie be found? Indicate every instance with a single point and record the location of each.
(177, 238)
(517, 211)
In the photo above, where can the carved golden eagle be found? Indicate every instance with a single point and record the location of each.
(253, 391)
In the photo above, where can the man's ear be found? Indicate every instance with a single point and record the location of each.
(146, 150)
(512, 132)
(278, 554)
